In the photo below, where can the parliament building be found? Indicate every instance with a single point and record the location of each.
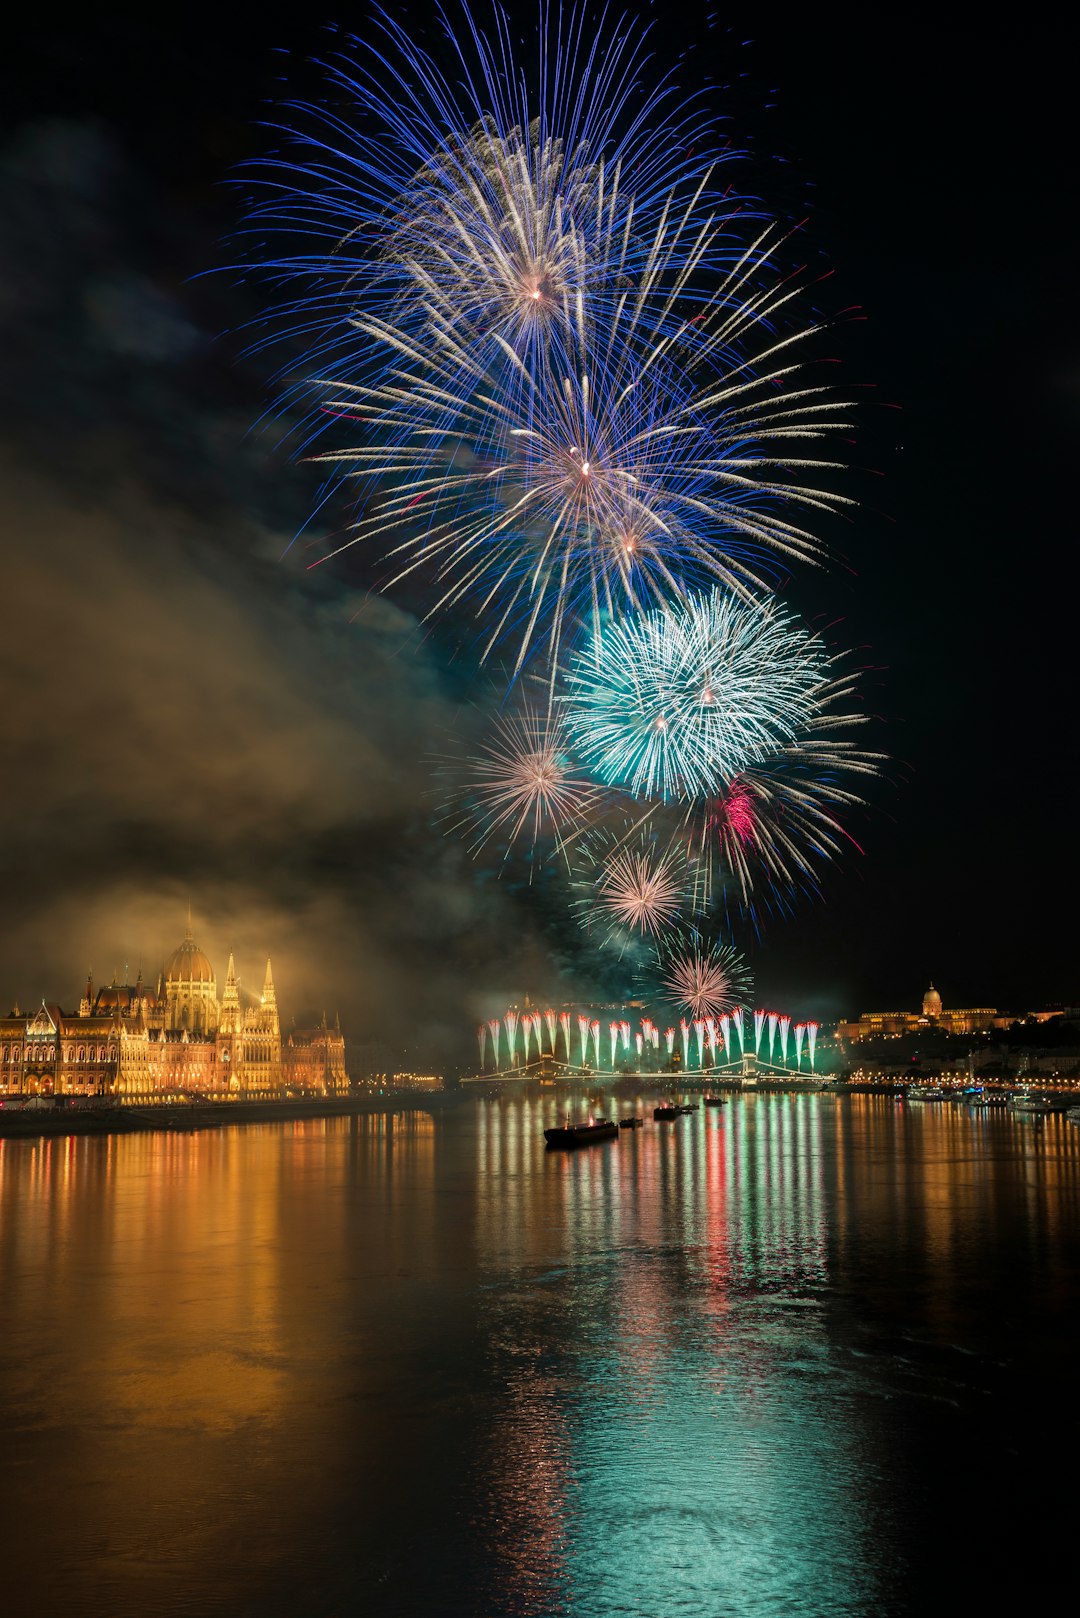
(132, 1041)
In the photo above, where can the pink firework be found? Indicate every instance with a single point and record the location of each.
(494, 1029)
(564, 1024)
(552, 1024)
(510, 1023)
(583, 1032)
(481, 1040)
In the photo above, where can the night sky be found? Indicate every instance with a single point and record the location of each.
(189, 712)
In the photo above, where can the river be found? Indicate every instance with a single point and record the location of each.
(799, 1355)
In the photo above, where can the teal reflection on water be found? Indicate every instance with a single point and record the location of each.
(694, 1451)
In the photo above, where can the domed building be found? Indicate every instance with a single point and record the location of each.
(132, 1042)
(189, 990)
(931, 1003)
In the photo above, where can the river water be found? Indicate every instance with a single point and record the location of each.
(798, 1355)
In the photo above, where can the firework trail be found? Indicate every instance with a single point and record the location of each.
(772, 1019)
(706, 979)
(595, 1033)
(800, 1030)
(624, 1030)
(669, 1041)
(784, 1024)
(684, 1030)
(604, 491)
(613, 1030)
(737, 1019)
(481, 1040)
(699, 1035)
(552, 1024)
(564, 1024)
(639, 1043)
(510, 1022)
(759, 1023)
(583, 1032)
(710, 1033)
(811, 1040)
(494, 1029)
(764, 838)
(526, 1036)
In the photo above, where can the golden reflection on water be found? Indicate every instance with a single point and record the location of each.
(257, 1365)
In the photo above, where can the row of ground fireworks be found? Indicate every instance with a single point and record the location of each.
(772, 1033)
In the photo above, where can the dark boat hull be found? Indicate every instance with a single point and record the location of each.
(664, 1114)
(580, 1134)
(716, 1101)
(630, 1123)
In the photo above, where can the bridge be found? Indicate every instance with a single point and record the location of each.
(744, 1071)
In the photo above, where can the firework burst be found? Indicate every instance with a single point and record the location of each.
(705, 980)
(522, 786)
(677, 704)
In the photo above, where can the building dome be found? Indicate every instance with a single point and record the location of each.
(188, 964)
(931, 1003)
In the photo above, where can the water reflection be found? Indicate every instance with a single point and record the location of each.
(743, 1363)
(661, 1362)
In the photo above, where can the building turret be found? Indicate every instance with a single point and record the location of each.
(269, 998)
(231, 1018)
(88, 998)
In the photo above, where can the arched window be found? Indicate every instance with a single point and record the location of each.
(82, 1053)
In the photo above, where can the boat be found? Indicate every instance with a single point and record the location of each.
(631, 1123)
(662, 1114)
(920, 1093)
(1073, 1115)
(716, 1101)
(1029, 1104)
(688, 1106)
(569, 1134)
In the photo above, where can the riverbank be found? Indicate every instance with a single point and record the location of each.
(21, 1125)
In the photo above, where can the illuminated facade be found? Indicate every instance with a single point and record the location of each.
(417, 1081)
(131, 1040)
(874, 1024)
(314, 1059)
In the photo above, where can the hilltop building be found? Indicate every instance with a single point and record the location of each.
(131, 1040)
(873, 1024)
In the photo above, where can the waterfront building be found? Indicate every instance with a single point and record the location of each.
(874, 1024)
(133, 1041)
(417, 1081)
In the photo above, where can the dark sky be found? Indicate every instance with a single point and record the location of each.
(186, 713)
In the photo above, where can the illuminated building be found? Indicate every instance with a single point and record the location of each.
(314, 1059)
(417, 1081)
(131, 1040)
(874, 1024)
